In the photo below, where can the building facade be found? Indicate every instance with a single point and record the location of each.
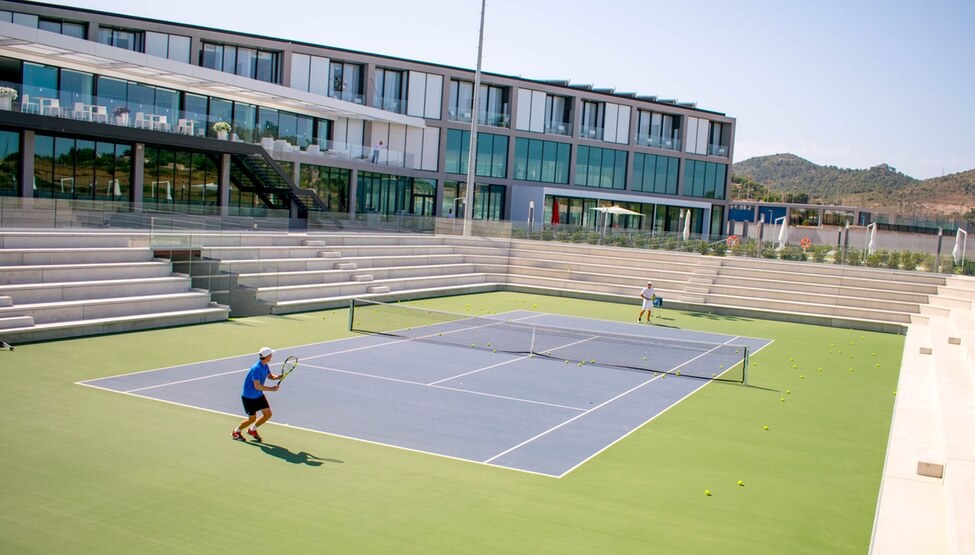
(109, 107)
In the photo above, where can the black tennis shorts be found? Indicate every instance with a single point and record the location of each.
(251, 406)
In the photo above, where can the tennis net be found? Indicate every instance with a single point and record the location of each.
(697, 359)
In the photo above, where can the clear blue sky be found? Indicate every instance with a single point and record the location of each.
(850, 83)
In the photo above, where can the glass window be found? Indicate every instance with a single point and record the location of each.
(40, 81)
(9, 163)
(268, 122)
(245, 122)
(300, 69)
(76, 87)
(220, 110)
(212, 56)
(601, 167)
(544, 161)
(179, 48)
(157, 44)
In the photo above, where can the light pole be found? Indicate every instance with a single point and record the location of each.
(472, 154)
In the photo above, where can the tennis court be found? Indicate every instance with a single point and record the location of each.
(523, 390)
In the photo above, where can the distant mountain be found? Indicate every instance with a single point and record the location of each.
(879, 187)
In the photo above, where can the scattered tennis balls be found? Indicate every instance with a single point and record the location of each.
(494, 351)
(765, 428)
(851, 369)
(877, 365)
(678, 372)
(781, 399)
(802, 376)
(741, 482)
(788, 392)
(707, 492)
(820, 368)
(795, 366)
(721, 366)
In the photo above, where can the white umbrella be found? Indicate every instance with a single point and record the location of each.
(959, 251)
(619, 210)
(687, 226)
(872, 244)
(784, 232)
(615, 209)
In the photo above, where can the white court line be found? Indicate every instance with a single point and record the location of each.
(331, 434)
(208, 376)
(468, 391)
(647, 421)
(603, 404)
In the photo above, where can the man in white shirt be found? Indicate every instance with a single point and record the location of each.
(647, 295)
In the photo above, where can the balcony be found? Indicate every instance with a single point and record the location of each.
(718, 150)
(99, 110)
(654, 141)
(563, 128)
(492, 119)
(395, 105)
(594, 133)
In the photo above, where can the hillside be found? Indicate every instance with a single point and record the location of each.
(879, 187)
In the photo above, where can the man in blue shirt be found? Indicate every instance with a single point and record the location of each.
(253, 397)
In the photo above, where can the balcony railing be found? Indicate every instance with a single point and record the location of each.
(718, 150)
(563, 128)
(493, 119)
(395, 105)
(587, 132)
(653, 141)
(53, 103)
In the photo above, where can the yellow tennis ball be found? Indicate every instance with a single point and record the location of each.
(802, 376)
(788, 392)
(678, 372)
(707, 492)
(741, 483)
(781, 399)
(765, 428)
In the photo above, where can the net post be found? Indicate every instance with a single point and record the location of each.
(744, 368)
(351, 313)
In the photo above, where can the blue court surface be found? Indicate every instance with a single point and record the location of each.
(534, 414)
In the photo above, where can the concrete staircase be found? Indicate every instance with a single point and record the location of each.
(68, 284)
(927, 498)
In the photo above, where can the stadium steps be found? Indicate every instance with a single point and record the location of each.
(933, 418)
(62, 284)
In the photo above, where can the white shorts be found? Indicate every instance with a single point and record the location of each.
(647, 304)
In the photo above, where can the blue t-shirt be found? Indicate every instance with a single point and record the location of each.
(257, 372)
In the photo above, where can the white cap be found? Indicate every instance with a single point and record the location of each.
(265, 352)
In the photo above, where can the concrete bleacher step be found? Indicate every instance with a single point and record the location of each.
(82, 272)
(69, 238)
(45, 313)
(377, 289)
(115, 324)
(74, 255)
(48, 292)
(16, 322)
(362, 277)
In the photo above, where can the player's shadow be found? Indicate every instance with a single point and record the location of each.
(301, 457)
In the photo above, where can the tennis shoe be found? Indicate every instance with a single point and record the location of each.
(254, 434)
(236, 435)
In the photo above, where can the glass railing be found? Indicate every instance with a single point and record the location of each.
(588, 132)
(653, 141)
(395, 105)
(563, 128)
(139, 116)
(493, 119)
(718, 150)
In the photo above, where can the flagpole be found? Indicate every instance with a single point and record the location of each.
(472, 154)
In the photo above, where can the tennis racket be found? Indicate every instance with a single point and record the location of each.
(288, 367)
